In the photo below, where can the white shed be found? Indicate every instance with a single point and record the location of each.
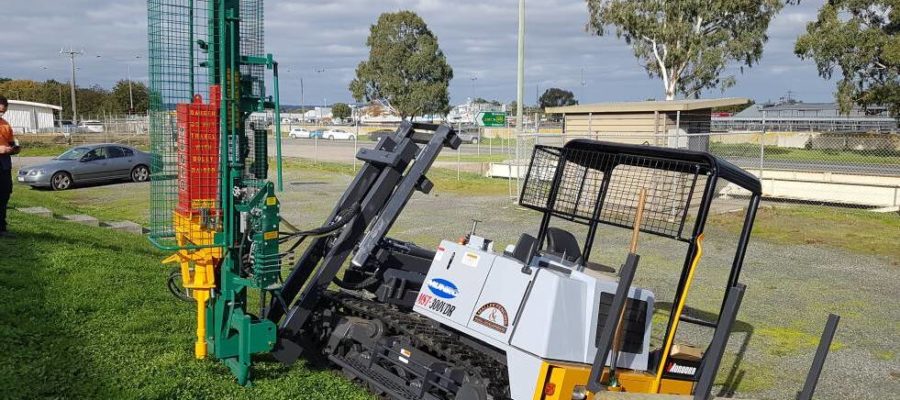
(30, 117)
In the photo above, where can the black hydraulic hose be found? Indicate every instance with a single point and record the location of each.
(340, 220)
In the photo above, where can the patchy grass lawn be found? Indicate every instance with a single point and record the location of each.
(483, 157)
(38, 149)
(858, 231)
(108, 202)
(85, 314)
(445, 180)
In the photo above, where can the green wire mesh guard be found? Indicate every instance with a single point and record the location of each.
(178, 31)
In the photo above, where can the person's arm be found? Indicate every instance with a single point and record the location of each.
(15, 148)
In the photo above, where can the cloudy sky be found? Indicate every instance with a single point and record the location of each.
(323, 41)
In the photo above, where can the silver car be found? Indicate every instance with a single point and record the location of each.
(88, 163)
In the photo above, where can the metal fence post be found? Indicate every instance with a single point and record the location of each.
(762, 148)
(458, 151)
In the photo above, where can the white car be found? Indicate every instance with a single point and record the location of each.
(91, 126)
(298, 133)
(338, 134)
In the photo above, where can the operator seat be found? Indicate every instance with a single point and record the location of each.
(561, 241)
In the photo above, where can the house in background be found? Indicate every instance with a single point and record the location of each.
(31, 117)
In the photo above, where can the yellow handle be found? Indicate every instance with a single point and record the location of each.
(678, 310)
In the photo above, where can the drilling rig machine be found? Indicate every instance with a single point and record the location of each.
(538, 320)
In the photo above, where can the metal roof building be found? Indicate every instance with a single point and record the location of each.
(662, 123)
(30, 117)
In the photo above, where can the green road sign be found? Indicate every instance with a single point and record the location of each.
(491, 119)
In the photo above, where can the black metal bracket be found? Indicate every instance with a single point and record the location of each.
(713, 357)
(612, 320)
(812, 378)
(381, 189)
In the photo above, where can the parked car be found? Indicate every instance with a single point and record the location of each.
(298, 133)
(338, 134)
(469, 134)
(90, 126)
(88, 163)
(377, 135)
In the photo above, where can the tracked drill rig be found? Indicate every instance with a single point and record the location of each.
(540, 319)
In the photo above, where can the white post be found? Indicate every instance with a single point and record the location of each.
(520, 75)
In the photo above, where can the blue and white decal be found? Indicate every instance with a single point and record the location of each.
(443, 288)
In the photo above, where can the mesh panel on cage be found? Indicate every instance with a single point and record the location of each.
(184, 170)
(253, 84)
(585, 186)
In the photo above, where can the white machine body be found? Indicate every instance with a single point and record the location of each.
(550, 310)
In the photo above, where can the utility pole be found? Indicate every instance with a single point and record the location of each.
(130, 94)
(71, 53)
(302, 101)
(520, 75)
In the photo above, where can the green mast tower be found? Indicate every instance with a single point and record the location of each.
(212, 204)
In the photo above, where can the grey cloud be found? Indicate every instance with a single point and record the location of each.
(478, 37)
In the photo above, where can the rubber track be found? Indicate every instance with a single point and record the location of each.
(437, 340)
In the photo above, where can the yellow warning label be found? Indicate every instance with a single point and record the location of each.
(270, 235)
(271, 201)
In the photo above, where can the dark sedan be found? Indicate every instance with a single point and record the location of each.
(88, 163)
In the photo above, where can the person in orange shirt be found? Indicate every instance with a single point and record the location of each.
(8, 146)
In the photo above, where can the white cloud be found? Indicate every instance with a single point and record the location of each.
(478, 37)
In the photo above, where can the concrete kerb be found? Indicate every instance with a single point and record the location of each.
(37, 211)
(82, 219)
(124, 225)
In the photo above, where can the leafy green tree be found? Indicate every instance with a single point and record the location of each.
(340, 111)
(121, 102)
(688, 43)
(858, 38)
(406, 67)
(556, 97)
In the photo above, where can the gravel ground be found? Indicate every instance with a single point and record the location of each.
(791, 289)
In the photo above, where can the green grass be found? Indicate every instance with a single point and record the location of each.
(38, 149)
(445, 180)
(86, 315)
(483, 157)
(858, 231)
(775, 153)
(107, 202)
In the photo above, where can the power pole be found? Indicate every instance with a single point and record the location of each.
(520, 76)
(71, 53)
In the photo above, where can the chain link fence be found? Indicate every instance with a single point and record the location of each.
(847, 168)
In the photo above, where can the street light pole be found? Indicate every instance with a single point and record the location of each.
(130, 94)
(71, 53)
(520, 76)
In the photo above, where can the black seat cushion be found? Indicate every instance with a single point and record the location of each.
(561, 241)
(524, 247)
